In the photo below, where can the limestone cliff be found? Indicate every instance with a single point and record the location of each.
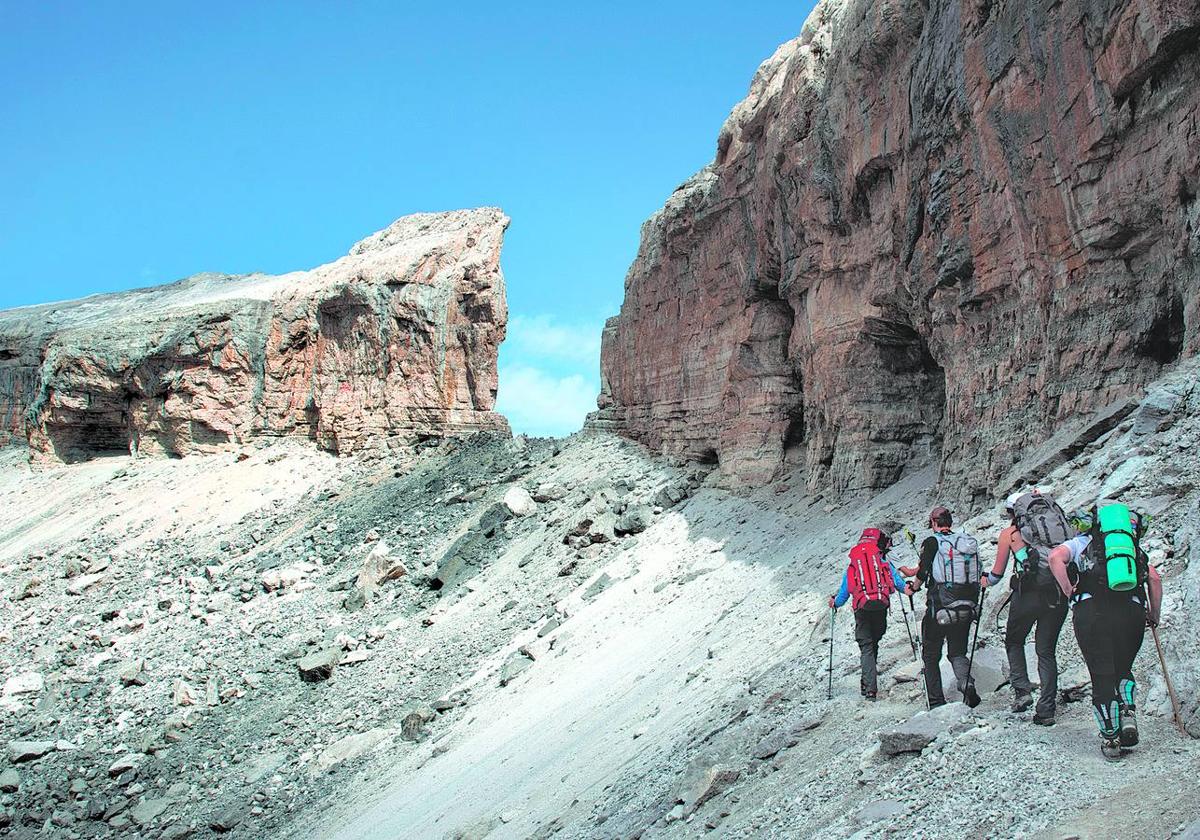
(933, 230)
(396, 340)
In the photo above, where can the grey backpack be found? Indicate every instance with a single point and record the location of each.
(957, 560)
(1043, 527)
(956, 570)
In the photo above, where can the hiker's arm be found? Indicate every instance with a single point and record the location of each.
(925, 563)
(898, 580)
(1003, 549)
(843, 593)
(1155, 586)
(1058, 560)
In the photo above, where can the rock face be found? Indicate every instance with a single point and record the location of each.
(932, 230)
(396, 340)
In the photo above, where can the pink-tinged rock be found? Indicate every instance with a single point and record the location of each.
(394, 342)
(932, 231)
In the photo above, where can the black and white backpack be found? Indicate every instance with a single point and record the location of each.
(956, 571)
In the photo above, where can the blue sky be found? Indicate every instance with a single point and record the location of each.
(144, 142)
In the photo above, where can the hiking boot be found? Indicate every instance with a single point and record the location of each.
(1043, 721)
(1129, 730)
(1110, 748)
(971, 697)
(1023, 703)
(870, 695)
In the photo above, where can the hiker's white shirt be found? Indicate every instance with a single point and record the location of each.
(1077, 546)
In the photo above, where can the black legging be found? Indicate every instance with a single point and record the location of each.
(1109, 629)
(1047, 610)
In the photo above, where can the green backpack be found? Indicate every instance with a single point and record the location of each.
(1115, 558)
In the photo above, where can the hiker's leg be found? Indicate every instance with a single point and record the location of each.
(878, 628)
(1095, 643)
(867, 649)
(1022, 613)
(1129, 633)
(931, 656)
(1045, 641)
(958, 638)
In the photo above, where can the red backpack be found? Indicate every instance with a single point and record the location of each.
(869, 575)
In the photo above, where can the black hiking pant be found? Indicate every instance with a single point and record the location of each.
(869, 627)
(1110, 628)
(956, 637)
(1047, 610)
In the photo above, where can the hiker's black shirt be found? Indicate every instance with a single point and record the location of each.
(929, 550)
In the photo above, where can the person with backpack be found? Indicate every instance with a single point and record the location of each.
(1115, 594)
(950, 566)
(1036, 526)
(868, 583)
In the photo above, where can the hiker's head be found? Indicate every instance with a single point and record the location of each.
(940, 518)
(885, 541)
(1010, 506)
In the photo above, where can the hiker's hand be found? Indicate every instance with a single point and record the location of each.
(832, 605)
(984, 582)
(1151, 620)
(909, 588)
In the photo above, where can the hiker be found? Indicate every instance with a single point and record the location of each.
(868, 582)
(950, 566)
(1037, 525)
(1115, 594)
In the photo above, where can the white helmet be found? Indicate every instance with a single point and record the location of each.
(1011, 502)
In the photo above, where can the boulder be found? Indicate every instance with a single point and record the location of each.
(277, 580)
(919, 731)
(29, 682)
(883, 809)
(29, 588)
(83, 583)
(519, 502)
(517, 664)
(352, 746)
(633, 521)
(787, 735)
(128, 761)
(380, 566)
(133, 673)
(227, 819)
(413, 719)
(320, 665)
(19, 751)
(703, 781)
(183, 694)
(10, 780)
(147, 810)
(601, 583)
(549, 492)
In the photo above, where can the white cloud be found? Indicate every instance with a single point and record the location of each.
(546, 337)
(541, 404)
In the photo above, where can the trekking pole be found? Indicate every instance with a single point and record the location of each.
(911, 642)
(832, 616)
(975, 641)
(1170, 688)
(924, 685)
(1000, 609)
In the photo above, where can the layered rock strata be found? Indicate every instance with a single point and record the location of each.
(395, 341)
(932, 230)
